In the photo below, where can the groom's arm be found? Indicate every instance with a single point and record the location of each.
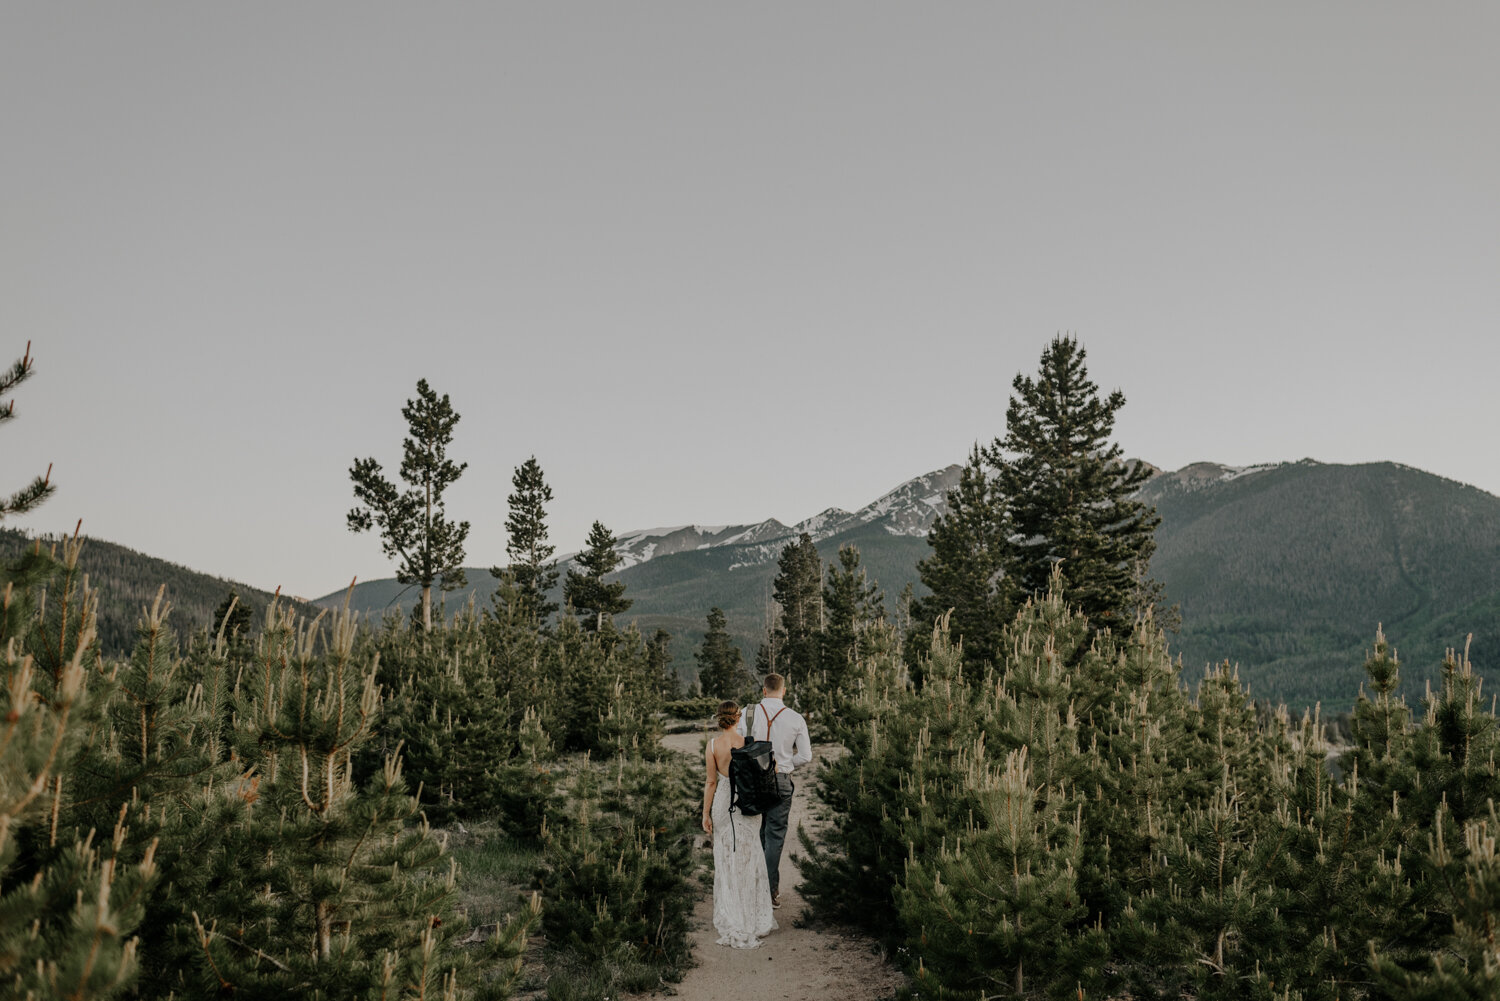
(801, 745)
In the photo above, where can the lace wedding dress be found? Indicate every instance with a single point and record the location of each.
(742, 892)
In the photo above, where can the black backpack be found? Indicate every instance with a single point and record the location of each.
(753, 787)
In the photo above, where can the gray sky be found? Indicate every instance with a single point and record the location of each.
(715, 263)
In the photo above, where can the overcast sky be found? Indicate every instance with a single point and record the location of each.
(721, 262)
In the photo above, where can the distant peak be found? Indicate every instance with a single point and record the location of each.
(908, 509)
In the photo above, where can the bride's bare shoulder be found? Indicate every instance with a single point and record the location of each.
(720, 744)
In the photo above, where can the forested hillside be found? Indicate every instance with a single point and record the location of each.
(127, 581)
(1287, 570)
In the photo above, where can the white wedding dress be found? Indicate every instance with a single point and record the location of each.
(742, 891)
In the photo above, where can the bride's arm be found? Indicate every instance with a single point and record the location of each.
(710, 783)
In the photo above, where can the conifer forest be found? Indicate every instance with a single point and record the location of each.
(1035, 798)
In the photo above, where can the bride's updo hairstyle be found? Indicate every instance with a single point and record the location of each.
(728, 714)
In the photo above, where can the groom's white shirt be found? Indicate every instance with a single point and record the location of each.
(790, 744)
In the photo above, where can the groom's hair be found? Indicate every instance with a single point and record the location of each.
(774, 683)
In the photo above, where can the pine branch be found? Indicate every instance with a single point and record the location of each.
(40, 488)
(17, 374)
(28, 498)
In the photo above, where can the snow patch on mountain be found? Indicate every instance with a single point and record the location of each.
(1235, 472)
(912, 507)
(647, 543)
(768, 529)
(1198, 476)
(909, 509)
(824, 524)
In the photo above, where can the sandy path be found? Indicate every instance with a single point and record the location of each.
(792, 962)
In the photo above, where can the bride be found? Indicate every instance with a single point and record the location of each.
(742, 891)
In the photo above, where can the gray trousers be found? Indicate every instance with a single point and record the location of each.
(773, 831)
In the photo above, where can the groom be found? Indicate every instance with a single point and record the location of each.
(792, 748)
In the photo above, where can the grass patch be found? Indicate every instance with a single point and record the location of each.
(495, 871)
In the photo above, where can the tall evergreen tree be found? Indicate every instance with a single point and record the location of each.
(721, 670)
(853, 604)
(40, 488)
(965, 571)
(768, 653)
(659, 660)
(1068, 492)
(532, 569)
(593, 598)
(412, 523)
(798, 589)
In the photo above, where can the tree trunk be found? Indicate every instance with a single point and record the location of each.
(427, 608)
(325, 930)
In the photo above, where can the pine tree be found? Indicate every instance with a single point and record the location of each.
(965, 571)
(40, 488)
(579, 665)
(413, 526)
(334, 886)
(1217, 910)
(518, 657)
(659, 659)
(616, 874)
(1339, 880)
(1381, 724)
(451, 720)
(902, 789)
(593, 598)
(523, 785)
(1068, 492)
(165, 779)
(798, 590)
(853, 605)
(532, 571)
(721, 670)
(69, 908)
(993, 907)
(1464, 740)
(1466, 965)
(1396, 802)
(231, 618)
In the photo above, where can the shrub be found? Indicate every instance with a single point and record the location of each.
(616, 876)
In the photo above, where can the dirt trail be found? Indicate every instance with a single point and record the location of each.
(791, 963)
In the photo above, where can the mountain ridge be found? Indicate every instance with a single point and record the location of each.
(908, 509)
